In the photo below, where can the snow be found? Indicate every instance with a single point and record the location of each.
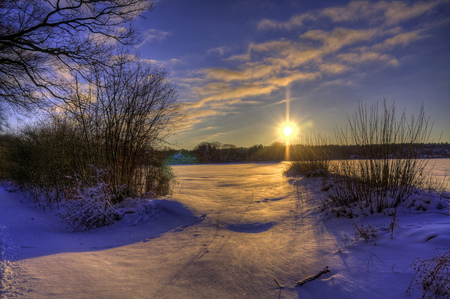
(226, 232)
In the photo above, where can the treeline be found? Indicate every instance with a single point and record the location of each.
(216, 152)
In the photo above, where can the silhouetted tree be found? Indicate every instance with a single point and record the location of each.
(229, 153)
(208, 152)
(44, 42)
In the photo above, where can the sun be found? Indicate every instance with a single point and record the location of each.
(288, 130)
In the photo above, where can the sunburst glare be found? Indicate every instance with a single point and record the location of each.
(288, 130)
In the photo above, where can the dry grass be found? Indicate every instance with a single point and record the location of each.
(311, 158)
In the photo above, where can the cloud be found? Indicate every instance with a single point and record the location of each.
(239, 57)
(249, 72)
(366, 34)
(223, 74)
(381, 12)
(340, 37)
(333, 68)
(153, 35)
(277, 82)
(202, 113)
(235, 93)
(355, 10)
(399, 11)
(272, 65)
(402, 39)
(366, 58)
(220, 51)
(293, 22)
(197, 116)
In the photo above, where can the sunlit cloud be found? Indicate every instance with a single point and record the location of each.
(333, 68)
(399, 11)
(340, 37)
(153, 35)
(293, 22)
(366, 58)
(402, 39)
(248, 90)
(197, 116)
(388, 13)
(211, 88)
(214, 136)
(239, 57)
(223, 74)
(277, 82)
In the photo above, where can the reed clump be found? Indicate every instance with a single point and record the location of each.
(386, 168)
(310, 158)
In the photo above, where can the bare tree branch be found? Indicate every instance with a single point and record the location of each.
(45, 43)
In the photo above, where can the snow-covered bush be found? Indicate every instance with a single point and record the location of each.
(91, 209)
(95, 207)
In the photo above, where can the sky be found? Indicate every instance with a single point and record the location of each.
(242, 67)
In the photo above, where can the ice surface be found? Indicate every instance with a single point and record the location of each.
(227, 232)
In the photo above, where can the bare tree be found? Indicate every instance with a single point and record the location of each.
(128, 112)
(44, 42)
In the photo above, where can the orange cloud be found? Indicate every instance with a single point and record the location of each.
(402, 39)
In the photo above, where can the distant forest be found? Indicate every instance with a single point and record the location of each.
(216, 152)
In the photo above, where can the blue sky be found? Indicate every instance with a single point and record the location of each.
(236, 63)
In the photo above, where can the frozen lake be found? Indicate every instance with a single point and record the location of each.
(227, 231)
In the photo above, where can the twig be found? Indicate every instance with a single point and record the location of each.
(324, 271)
(279, 285)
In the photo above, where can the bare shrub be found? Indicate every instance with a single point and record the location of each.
(393, 224)
(367, 233)
(388, 168)
(129, 112)
(311, 158)
(371, 261)
(432, 275)
(39, 158)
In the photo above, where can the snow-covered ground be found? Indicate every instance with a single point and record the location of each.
(228, 231)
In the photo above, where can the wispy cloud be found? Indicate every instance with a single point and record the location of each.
(402, 39)
(153, 35)
(197, 116)
(360, 58)
(387, 13)
(219, 51)
(323, 55)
